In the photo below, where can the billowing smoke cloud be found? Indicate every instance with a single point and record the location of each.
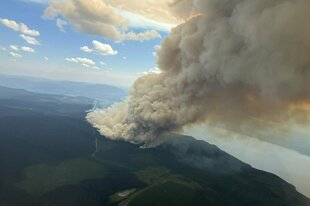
(236, 63)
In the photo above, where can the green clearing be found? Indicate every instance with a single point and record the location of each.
(43, 178)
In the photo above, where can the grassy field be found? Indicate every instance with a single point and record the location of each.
(43, 178)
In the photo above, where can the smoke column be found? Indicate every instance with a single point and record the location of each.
(234, 63)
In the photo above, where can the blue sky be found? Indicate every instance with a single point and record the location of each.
(133, 57)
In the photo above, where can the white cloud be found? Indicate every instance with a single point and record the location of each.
(103, 63)
(156, 48)
(83, 61)
(103, 49)
(14, 47)
(154, 70)
(100, 48)
(72, 60)
(46, 59)
(96, 17)
(19, 27)
(15, 55)
(142, 36)
(30, 40)
(23, 48)
(86, 49)
(61, 24)
(27, 49)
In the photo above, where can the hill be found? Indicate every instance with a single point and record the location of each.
(67, 88)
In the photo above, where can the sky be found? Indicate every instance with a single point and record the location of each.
(34, 42)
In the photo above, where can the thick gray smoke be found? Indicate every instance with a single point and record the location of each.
(233, 62)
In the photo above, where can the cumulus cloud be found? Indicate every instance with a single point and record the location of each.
(100, 48)
(15, 55)
(23, 48)
(85, 62)
(19, 27)
(46, 59)
(237, 63)
(96, 17)
(30, 40)
(86, 49)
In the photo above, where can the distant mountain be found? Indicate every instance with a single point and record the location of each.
(20, 101)
(47, 86)
(50, 156)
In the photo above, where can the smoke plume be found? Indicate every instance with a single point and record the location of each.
(236, 63)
